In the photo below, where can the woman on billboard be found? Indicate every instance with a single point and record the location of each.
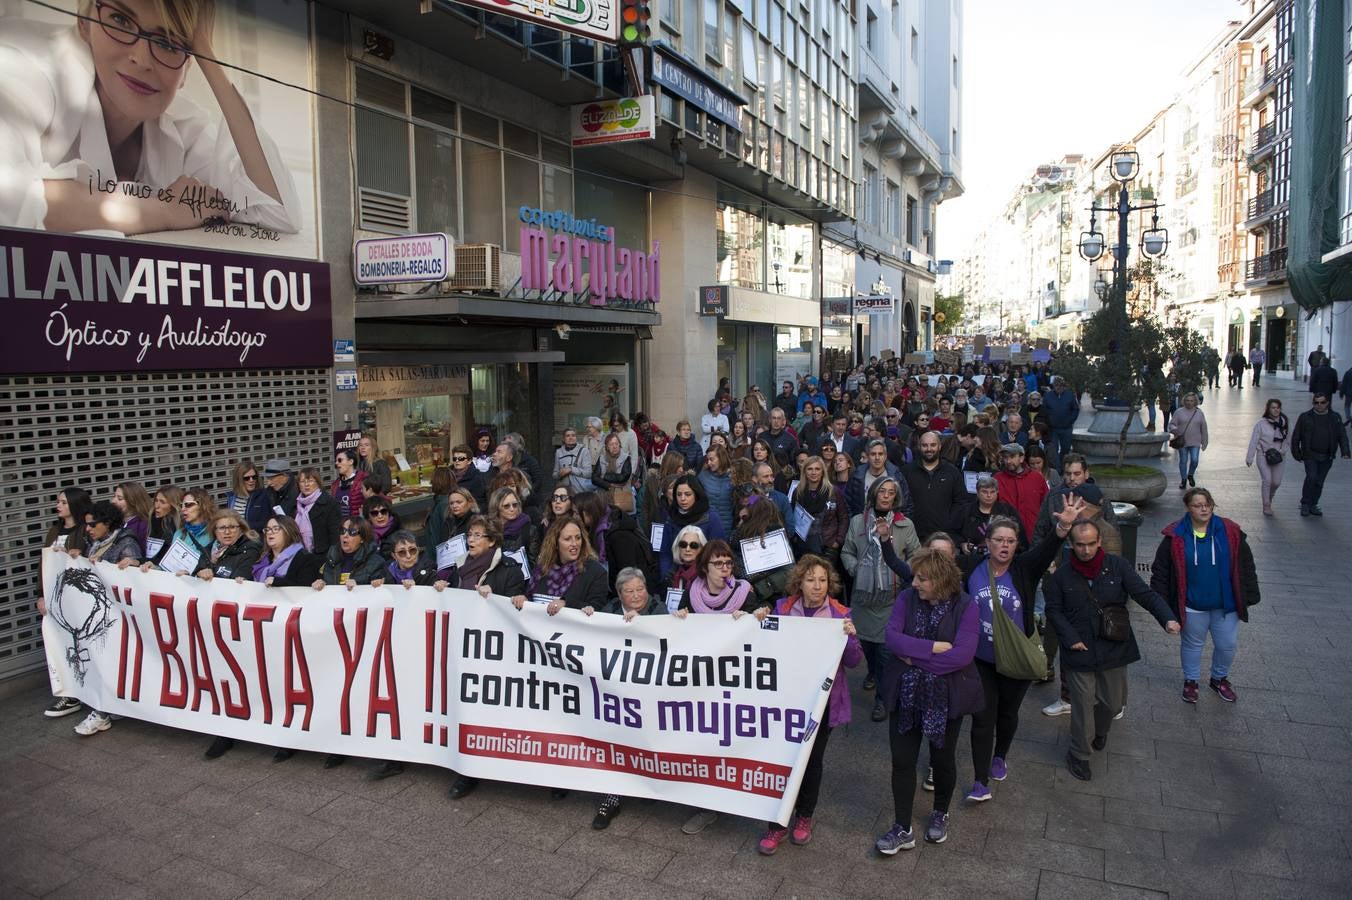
(94, 134)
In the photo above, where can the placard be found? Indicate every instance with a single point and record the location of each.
(765, 553)
(674, 596)
(402, 462)
(970, 479)
(453, 552)
(181, 558)
(802, 522)
(519, 554)
(153, 546)
(655, 535)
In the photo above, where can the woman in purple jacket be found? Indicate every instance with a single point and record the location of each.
(929, 684)
(812, 587)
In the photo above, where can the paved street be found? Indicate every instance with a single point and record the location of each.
(1215, 800)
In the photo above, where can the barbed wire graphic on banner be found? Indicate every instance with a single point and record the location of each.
(95, 623)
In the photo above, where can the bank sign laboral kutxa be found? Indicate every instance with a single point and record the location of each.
(613, 121)
(580, 258)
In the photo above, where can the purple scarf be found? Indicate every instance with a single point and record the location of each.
(559, 579)
(514, 528)
(381, 532)
(923, 698)
(304, 503)
(263, 569)
(731, 598)
(599, 539)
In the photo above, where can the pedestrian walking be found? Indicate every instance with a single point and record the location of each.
(1237, 365)
(812, 590)
(1087, 606)
(1257, 359)
(1318, 436)
(1324, 378)
(1267, 447)
(1013, 578)
(1205, 569)
(929, 684)
(1345, 390)
(1189, 438)
(1062, 408)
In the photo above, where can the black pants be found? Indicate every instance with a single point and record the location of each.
(1316, 470)
(872, 657)
(811, 786)
(1257, 375)
(993, 728)
(905, 755)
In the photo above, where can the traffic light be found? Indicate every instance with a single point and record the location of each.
(635, 27)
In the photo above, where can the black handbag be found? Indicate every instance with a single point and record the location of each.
(1273, 456)
(1114, 621)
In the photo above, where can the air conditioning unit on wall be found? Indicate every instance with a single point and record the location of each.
(478, 267)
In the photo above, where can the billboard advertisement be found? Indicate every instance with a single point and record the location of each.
(614, 121)
(595, 19)
(134, 118)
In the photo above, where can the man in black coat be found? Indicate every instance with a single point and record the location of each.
(1317, 437)
(1095, 665)
(938, 492)
(1324, 378)
(282, 487)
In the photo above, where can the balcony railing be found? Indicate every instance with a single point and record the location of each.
(1261, 78)
(1260, 205)
(1263, 138)
(1266, 267)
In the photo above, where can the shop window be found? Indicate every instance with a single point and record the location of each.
(522, 186)
(503, 397)
(483, 193)
(435, 168)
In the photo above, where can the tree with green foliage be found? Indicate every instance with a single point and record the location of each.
(948, 313)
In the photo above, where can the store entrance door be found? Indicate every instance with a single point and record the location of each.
(1276, 345)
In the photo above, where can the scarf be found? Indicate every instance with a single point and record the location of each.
(381, 532)
(474, 567)
(799, 608)
(923, 697)
(1280, 425)
(731, 598)
(269, 566)
(96, 550)
(1088, 570)
(304, 503)
(684, 576)
(218, 550)
(401, 575)
(514, 528)
(599, 538)
(196, 533)
(559, 579)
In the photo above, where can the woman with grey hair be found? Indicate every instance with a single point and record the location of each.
(633, 601)
(593, 440)
(985, 506)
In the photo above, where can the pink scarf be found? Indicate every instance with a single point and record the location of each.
(728, 600)
(303, 505)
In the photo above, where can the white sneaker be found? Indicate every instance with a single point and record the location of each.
(93, 724)
(1059, 708)
(1120, 713)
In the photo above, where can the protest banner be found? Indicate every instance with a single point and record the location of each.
(1022, 358)
(951, 360)
(707, 711)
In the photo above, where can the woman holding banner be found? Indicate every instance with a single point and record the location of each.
(233, 552)
(811, 592)
(354, 560)
(684, 553)
(568, 573)
(317, 514)
(929, 684)
(192, 539)
(715, 591)
(631, 586)
(484, 568)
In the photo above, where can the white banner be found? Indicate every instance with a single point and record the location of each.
(705, 711)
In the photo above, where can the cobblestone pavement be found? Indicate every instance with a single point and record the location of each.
(1250, 799)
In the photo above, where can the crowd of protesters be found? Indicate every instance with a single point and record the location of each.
(924, 512)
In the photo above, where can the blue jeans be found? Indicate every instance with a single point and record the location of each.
(1224, 628)
(1188, 457)
(1062, 438)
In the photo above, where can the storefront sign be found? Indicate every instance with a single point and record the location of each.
(77, 304)
(398, 382)
(614, 121)
(414, 257)
(344, 351)
(345, 379)
(595, 19)
(874, 304)
(556, 263)
(713, 300)
(695, 87)
(193, 186)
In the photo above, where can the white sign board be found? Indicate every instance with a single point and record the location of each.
(614, 121)
(873, 304)
(414, 257)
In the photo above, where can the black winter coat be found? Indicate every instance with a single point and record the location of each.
(325, 520)
(587, 589)
(424, 572)
(236, 562)
(305, 570)
(627, 547)
(939, 498)
(504, 577)
(365, 567)
(1071, 611)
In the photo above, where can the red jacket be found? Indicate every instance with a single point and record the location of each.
(1025, 492)
(355, 498)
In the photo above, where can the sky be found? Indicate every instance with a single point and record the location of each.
(1041, 80)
